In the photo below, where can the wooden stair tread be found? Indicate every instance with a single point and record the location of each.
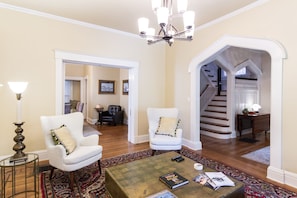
(211, 105)
(214, 124)
(214, 131)
(215, 111)
(214, 117)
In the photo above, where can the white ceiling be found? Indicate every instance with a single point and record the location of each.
(123, 14)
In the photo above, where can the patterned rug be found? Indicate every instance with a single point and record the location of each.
(89, 184)
(261, 155)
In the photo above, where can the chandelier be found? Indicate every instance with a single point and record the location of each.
(168, 32)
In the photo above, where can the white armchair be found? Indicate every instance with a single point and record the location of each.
(86, 152)
(163, 142)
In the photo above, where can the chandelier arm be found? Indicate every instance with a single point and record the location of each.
(174, 29)
(181, 32)
(157, 37)
(154, 41)
(168, 32)
(162, 29)
(183, 39)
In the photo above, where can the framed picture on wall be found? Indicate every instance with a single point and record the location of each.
(106, 87)
(125, 87)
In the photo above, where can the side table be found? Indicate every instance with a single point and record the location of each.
(257, 122)
(99, 110)
(20, 177)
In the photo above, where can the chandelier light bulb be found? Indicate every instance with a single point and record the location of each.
(189, 17)
(162, 15)
(150, 34)
(165, 16)
(143, 25)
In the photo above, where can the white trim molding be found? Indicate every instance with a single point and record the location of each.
(63, 57)
(277, 53)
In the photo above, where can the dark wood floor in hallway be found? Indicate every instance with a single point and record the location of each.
(115, 142)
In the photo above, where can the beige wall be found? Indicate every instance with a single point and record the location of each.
(273, 20)
(27, 54)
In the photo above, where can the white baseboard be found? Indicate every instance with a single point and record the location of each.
(275, 174)
(282, 176)
(42, 155)
(91, 121)
(142, 139)
(291, 179)
(192, 145)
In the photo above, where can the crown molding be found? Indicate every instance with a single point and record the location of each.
(97, 27)
(232, 14)
(64, 19)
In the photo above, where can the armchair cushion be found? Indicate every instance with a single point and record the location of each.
(82, 153)
(62, 136)
(167, 126)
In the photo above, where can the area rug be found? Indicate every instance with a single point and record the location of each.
(89, 183)
(89, 130)
(261, 155)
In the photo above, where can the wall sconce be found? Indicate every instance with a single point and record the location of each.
(18, 88)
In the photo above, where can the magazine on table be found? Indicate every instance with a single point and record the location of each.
(173, 180)
(163, 194)
(214, 180)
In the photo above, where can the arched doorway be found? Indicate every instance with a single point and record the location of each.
(277, 54)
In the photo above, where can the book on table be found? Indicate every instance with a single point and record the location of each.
(214, 180)
(173, 180)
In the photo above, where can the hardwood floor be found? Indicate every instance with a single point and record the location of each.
(114, 142)
(229, 152)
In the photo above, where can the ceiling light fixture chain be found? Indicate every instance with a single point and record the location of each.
(168, 32)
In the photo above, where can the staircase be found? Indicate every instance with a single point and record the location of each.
(213, 119)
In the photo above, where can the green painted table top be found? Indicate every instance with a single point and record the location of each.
(140, 178)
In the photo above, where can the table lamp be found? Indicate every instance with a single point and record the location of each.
(256, 108)
(18, 88)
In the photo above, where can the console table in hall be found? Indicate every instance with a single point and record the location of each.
(257, 122)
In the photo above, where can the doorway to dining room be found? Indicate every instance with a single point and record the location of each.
(63, 58)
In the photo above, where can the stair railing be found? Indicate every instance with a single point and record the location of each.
(206, 96)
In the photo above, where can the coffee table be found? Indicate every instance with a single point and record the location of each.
(140, 178)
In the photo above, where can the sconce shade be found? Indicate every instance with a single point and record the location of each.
(18, 87)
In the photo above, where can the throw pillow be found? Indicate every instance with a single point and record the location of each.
(63, 136)
(167, 126)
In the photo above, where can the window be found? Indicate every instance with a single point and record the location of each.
(241, 72)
